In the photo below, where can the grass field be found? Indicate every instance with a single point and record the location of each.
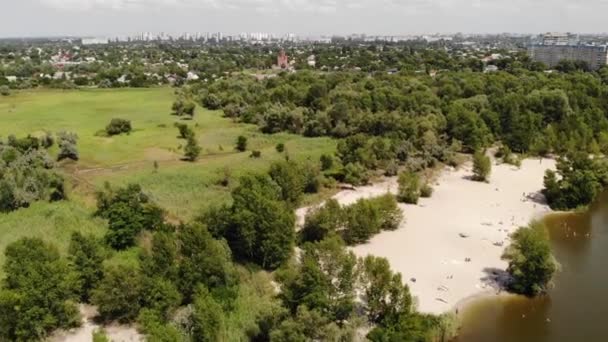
(182, 188)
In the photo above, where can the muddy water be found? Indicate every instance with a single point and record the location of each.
(576, 308)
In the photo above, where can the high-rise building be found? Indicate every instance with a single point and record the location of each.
(557, 47)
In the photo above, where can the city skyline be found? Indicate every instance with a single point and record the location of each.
(301, 17)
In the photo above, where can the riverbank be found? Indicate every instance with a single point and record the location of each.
(448, 247)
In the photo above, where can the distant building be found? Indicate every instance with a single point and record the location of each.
(192, 76)
(557, 47)
(282, 60)
(551, 55)
(490, 68)
(311, 61)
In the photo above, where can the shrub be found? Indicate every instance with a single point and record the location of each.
(183, 107)
(36, 296)
(426, 191)
(409, 191)
(531, 264)
(67, 146)
(192, 149)
(5, 91)
(327, 162)
(280, 147)
(100, 336)
(482, 166)
(118, 126)
(322, 222)
(368, 217)
(255, 154)
(391, 169)
(241, 143)
(355, 174)
(390, 214)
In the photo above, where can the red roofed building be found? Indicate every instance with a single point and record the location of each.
(282, 60)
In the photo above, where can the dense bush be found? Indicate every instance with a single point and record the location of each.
(241, 143)
(67, 146)
(184, 130)
(183, 107)
(409, 187)
(128, 211)
(118, 126)
(36, 295)
(27, 177)
(426, 190)
(119, 294)
(259, 227)
(355, 223)
(581, 178)
(86, 255)
(531, 264)
(4, 90)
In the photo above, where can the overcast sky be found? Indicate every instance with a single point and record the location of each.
(114, 17)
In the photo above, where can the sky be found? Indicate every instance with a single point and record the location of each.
(108, 18)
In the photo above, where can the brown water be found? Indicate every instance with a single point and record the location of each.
(576, 309)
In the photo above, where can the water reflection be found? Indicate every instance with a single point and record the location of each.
(576, 309)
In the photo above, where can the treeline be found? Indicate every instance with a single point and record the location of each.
(27, 171)
(201, 281)
(412, 121)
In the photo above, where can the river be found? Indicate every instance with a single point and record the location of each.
(575, 309)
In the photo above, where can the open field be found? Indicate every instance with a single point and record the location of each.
(54, 222)
(182, 188)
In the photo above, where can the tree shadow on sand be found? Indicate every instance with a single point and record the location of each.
(496, 278)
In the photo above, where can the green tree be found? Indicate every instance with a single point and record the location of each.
(261, 227)
(290, 178)
(324, 280)
(207, 318)
(202, 260)
(36, 296)
(482, 166)
(119, 294)
(322, 221)
(531, 264)
(86, 256)
(580, 180)
(128, 211)
(385, 296)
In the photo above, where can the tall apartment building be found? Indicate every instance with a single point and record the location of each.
(557, 47)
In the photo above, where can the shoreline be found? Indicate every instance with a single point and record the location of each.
(448, 247)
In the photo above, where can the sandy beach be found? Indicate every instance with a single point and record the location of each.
(448, 247)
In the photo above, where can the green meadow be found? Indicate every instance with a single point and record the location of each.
(150, 155)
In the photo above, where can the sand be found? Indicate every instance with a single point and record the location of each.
(464, 220)
(84, 333)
